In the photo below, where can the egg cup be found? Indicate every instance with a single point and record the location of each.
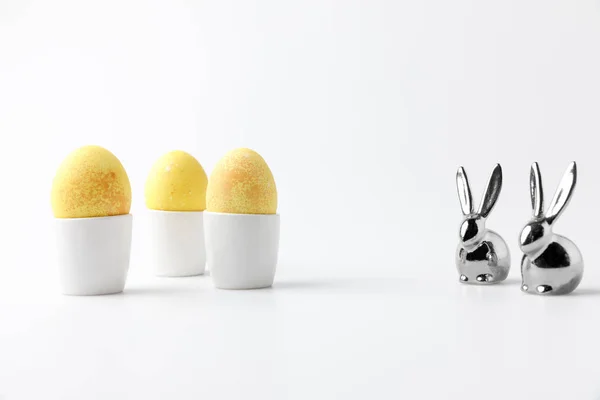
(242, 249)
(177, 243)
(93, 254)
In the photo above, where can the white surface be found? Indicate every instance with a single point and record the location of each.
(242, 250)
(363, 109)
(312, 335)
(93, 254)
(176, 242)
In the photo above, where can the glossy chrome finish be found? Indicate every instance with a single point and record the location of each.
(482, 256)
(552, 264)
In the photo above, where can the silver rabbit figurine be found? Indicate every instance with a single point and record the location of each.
(482, 256)
(552, 264)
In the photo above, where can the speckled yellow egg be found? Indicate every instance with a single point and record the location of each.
(90, 182)
(242, 183)
(177, 182)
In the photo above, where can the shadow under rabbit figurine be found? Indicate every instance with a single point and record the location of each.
(552, 264)
(482, 256)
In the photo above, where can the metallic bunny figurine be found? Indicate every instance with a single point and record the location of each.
(552, 264)
(482, 256)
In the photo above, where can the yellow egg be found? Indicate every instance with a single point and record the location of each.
(242, 183)
(177, 182)
(90, 182)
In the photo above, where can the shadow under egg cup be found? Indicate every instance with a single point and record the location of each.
(242, 249)
(177, 243)
(93, 254)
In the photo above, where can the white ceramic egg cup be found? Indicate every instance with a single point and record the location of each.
(177, 243)
(93, 254)
(241, 249)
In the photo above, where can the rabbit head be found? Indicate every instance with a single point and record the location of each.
(472, 228)
(537, 234)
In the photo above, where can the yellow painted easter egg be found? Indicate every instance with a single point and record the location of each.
(90, 182)
(242, 183)
(177, 182)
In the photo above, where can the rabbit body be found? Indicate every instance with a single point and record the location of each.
(482, 256)
(551, 264)
(557, 270)
(487, 262)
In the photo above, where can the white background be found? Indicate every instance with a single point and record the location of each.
(363, 110)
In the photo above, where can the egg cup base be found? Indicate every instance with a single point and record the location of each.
(241, 249)
(177, 275)
(177, 243)
(93, 254)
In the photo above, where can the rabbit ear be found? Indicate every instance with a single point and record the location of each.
(492, 192)
(563, 193)
(464, 192)
(537, 192)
